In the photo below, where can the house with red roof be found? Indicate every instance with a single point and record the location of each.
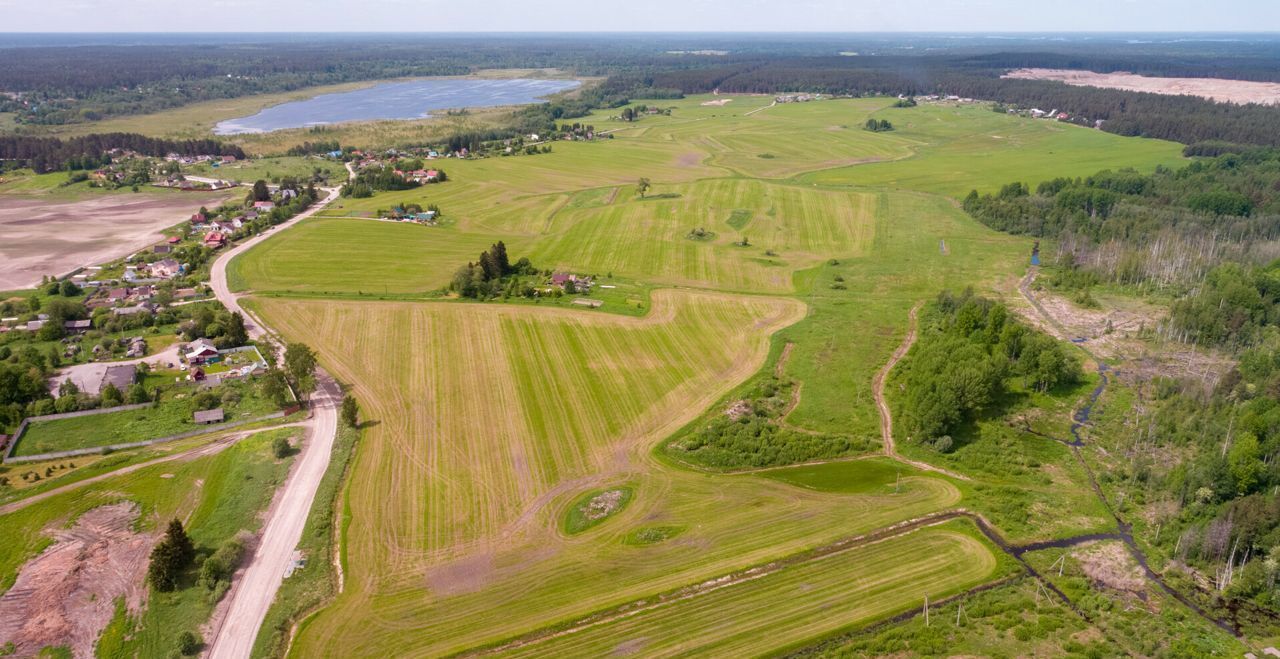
(214, 239)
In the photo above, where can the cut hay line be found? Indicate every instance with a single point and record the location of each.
(731, 615)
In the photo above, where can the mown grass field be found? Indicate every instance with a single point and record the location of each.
(961, 148)
(491, 420)
(821, 596)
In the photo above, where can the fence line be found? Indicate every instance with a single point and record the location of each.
(22, 427)
(204, 430)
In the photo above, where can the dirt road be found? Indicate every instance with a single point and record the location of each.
(886, 417)
(254, 589)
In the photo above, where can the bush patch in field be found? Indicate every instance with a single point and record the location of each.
(595, 507)
(700, 234)
(652, 535)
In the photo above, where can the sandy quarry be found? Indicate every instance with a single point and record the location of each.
(40, 237)
(67, 594)
(1218, 89)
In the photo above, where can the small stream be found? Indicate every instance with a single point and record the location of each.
(1124, 533)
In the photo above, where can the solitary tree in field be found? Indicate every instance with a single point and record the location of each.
(642, 187)
(350, 411)
(170, 556)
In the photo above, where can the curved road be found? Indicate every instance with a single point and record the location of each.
(886, 417)
(252, 594)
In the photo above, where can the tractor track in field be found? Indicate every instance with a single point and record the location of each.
(639, 606)
(882, 405)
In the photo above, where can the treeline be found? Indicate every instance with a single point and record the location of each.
(1179, 118)
(970, 350)
(313, 148)
(1162, 230)
(46, 154)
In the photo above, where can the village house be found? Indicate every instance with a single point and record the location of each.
(227, 159)
(161, 249)
(581, 283)
(199, 219)
(119, 377)
(200, 351)
(77, 326)
(137, 347)
(264, 205)
(166, 268)
(214, 240)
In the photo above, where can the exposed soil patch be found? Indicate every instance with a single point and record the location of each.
(604, 504)
(738, 410)
(40, 237)
(1113, 333)
(1109, 564)
(690, 159)
(67, 594)
(1217, 89)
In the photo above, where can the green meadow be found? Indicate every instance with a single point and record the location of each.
(857, 227)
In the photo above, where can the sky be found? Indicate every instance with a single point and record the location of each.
(449, 16)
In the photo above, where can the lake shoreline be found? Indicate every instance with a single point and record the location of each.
(418, 98)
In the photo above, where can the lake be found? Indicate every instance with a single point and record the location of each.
(414, 99)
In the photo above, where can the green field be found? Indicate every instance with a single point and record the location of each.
(493, 420)
(170, 417)
(821, 597)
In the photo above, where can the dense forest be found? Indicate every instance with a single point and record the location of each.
(969, 353)
(1205, 232)
(46, 154)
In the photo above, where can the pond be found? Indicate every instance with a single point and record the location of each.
(414, 99)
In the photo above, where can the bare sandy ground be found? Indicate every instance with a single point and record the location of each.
(1217, 89)
(67, 594)
(42, 237)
